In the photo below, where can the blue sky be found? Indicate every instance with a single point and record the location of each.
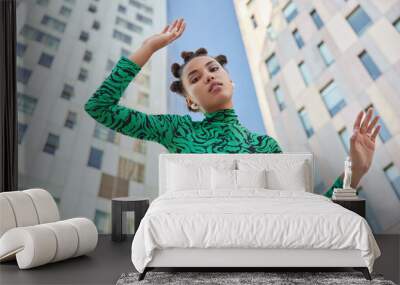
(212, 24)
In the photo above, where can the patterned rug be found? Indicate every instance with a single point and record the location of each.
(225, 278)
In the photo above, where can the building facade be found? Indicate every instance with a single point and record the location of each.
(315, 65)
(65, 49)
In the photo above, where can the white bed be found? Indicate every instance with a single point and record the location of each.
(282, 224)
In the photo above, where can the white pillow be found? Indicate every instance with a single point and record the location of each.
(287, 174)
(231, 179)
(293, 179)
(187, 177)
(251, 178)
(223, 179)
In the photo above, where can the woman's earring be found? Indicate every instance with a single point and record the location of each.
(193, 106)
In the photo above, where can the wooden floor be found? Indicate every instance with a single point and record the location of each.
(110, 259)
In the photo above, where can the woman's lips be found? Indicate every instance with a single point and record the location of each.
(216, 87)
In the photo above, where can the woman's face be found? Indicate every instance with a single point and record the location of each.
(207, 84)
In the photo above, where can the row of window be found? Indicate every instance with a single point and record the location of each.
(334, 102)
(384, 132)
(369, 64)
(140, 5)
(100, 132)
(139, 17)
(27, 105)
(34, 34)
(358, 18)
(64, 10)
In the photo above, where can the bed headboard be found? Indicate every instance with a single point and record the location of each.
(212, 158)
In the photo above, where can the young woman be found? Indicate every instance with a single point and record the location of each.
(206, 86)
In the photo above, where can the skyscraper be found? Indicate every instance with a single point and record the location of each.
(315, 65)
(65, 49)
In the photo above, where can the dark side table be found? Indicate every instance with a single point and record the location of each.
(119, 206)
(357, 206)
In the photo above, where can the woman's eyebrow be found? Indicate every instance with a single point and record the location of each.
(194, 70)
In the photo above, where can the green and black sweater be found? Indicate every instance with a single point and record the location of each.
(218, 132)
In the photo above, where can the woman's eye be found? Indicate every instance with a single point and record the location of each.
(194, 80)
(214, 68)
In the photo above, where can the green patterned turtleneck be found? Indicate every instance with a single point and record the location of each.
(218, 132)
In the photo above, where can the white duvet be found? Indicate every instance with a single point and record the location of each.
(250, 218)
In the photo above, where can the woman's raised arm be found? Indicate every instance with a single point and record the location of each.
(103, 104)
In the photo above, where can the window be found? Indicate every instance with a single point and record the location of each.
(359, 20)
(125, 52)
(43, 3)
(393, 175)
(88, 56)
(122, 9)
(92, 8)
(279, 98)
(53, 23)
(143, 19)
(333, 98)
(46, 60)
(52, 143)
(102, 220)
(345, 138)
(272, 65)
(143, 98)
(20, 49)
(95, 158)
(21, 131)
(84, 36)
(128, 25)
(71, 2)
(131, 170)
(316, 19)
(396, 24)
(253, 21)
(106, 134)
(298, 38)
(26, 103)
(65, 11)
(271, 32)
(139, 146)
(111, 186)
(141, 5)
(70, 121)
(68, 92)
(23, 74)
(305, 73)
(384, 132)
(325, 53)
(305, 122)
(83, 74)
(369, 65)
(143, 80)
(34, 34)
(290, 11)
(96, 25)
(110, 65)
(122, 37)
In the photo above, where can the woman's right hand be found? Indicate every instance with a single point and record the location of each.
(169, 34)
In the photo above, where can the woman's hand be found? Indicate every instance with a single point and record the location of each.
(362, 145)
(169, 34)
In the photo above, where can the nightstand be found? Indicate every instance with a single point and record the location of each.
(357, 206)
(119, 206)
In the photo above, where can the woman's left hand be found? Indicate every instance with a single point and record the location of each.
(362, 145)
